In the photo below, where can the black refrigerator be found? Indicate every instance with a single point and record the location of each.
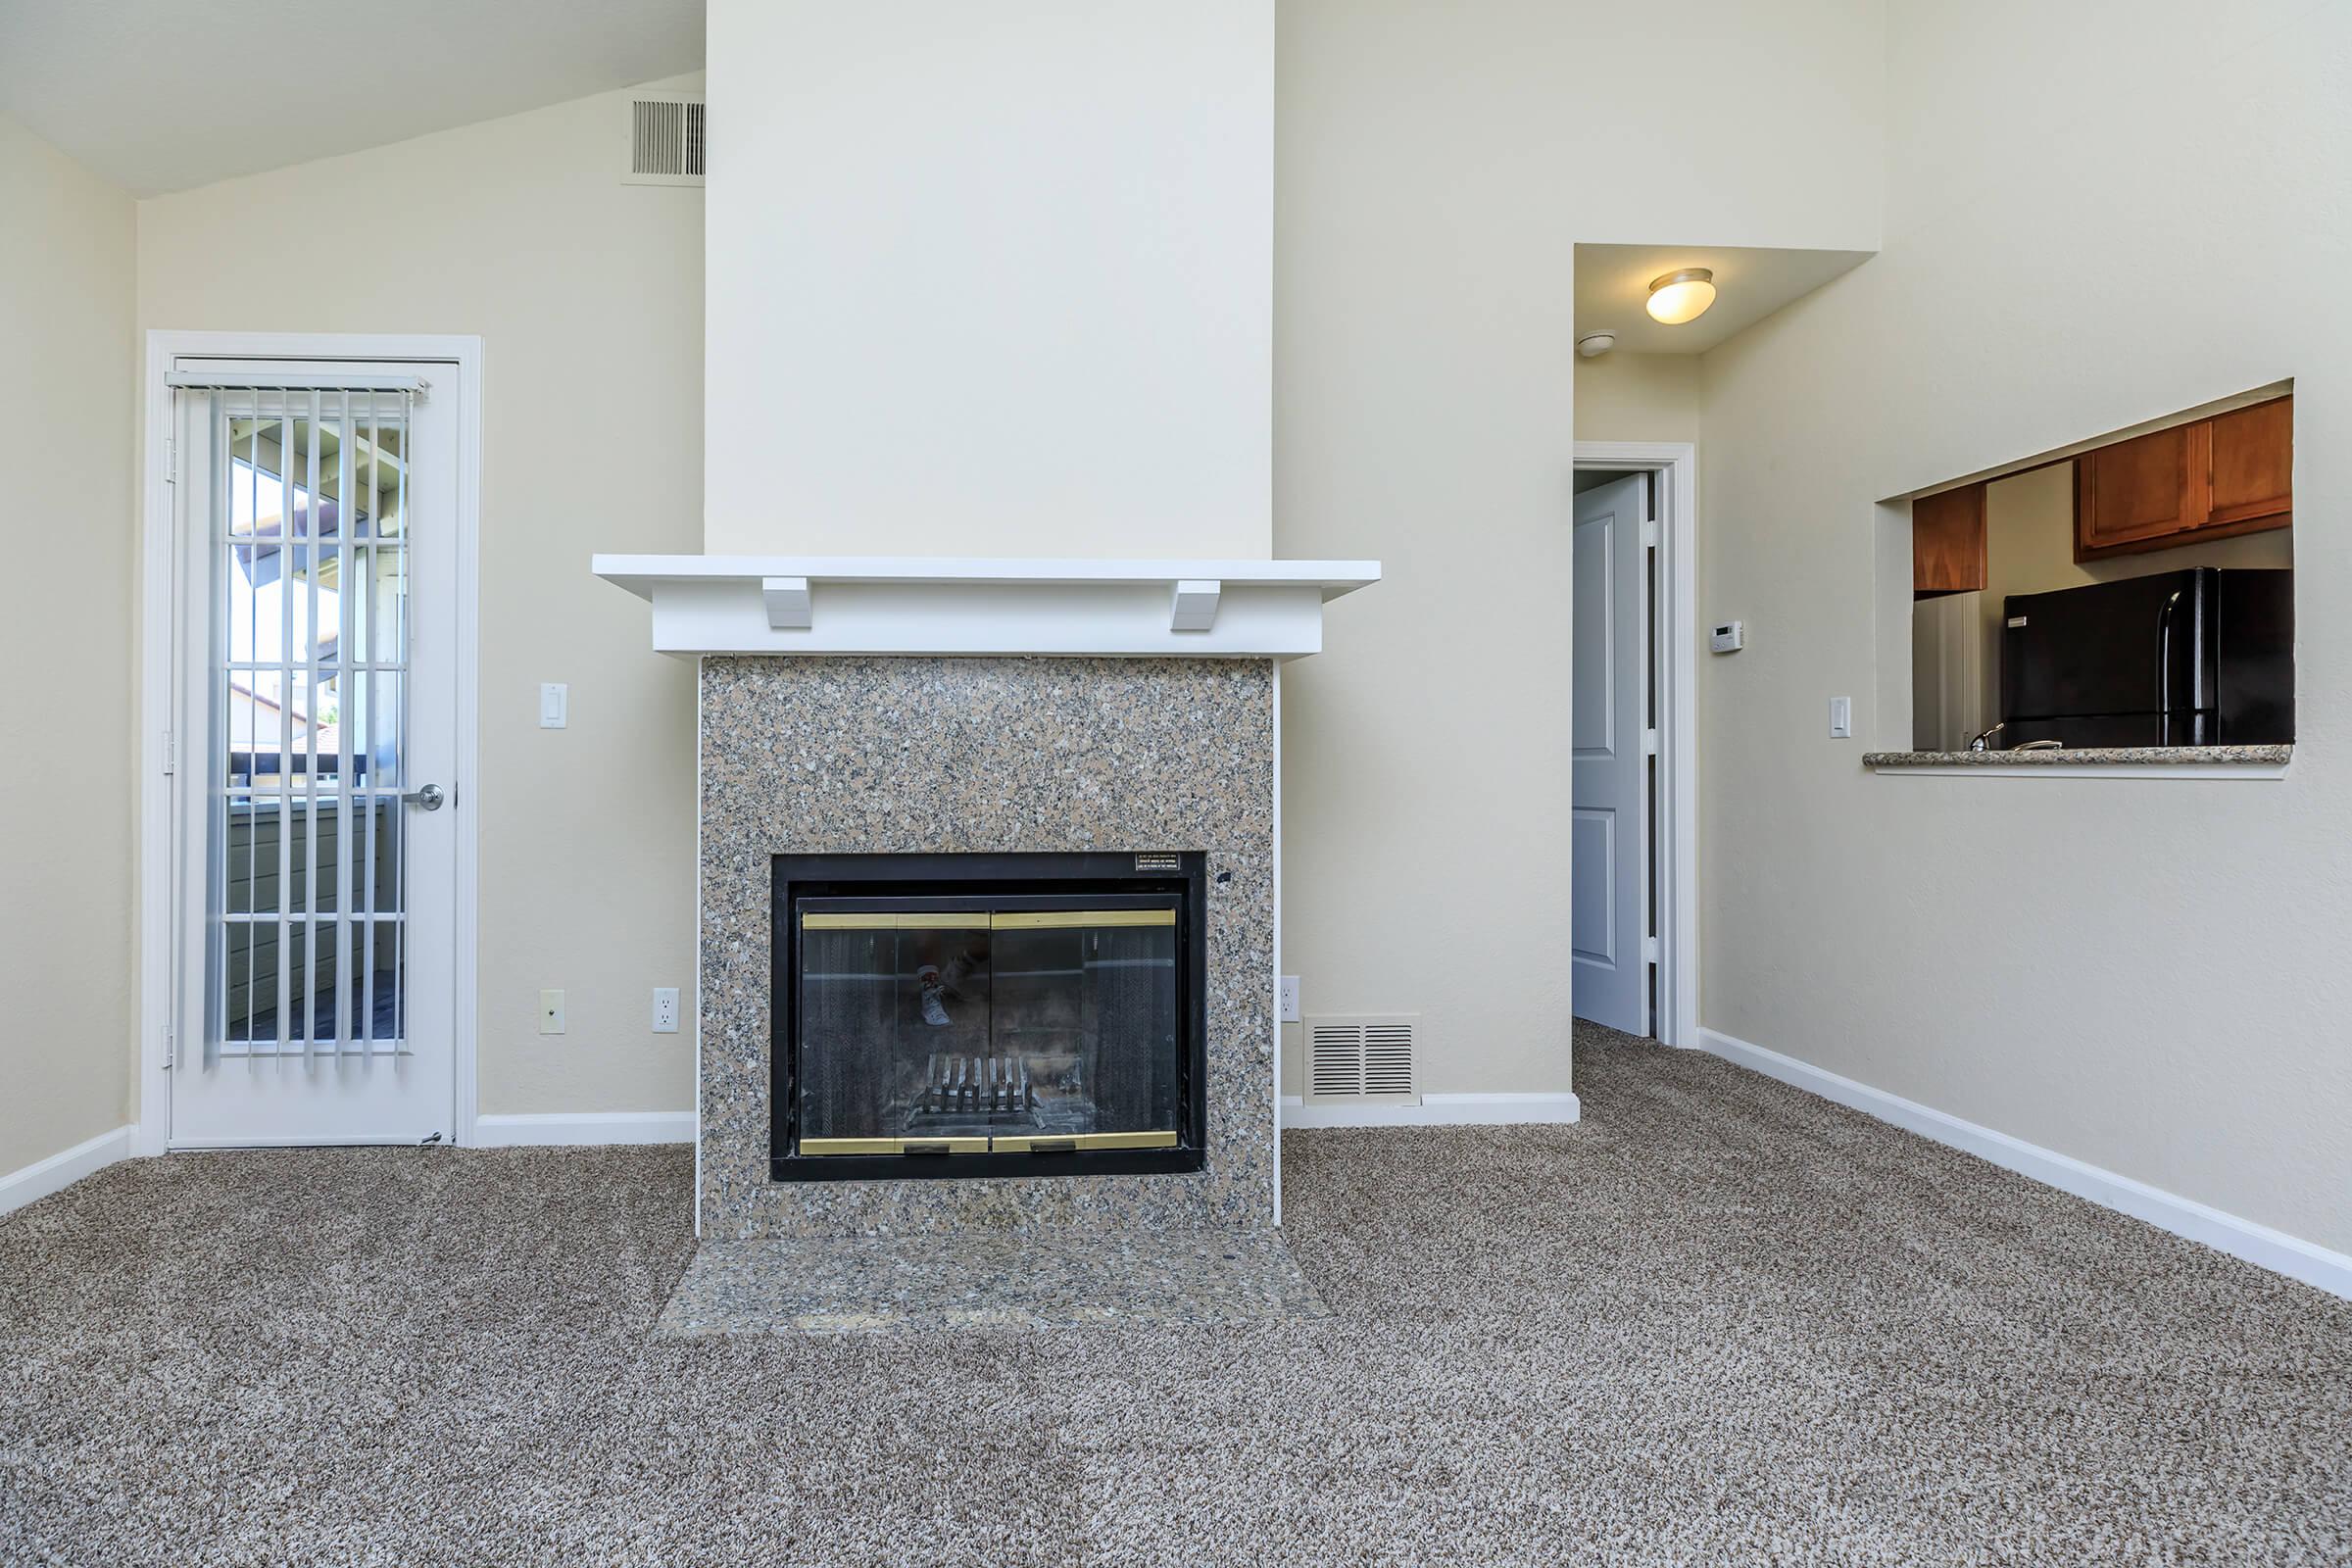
(2199, 657)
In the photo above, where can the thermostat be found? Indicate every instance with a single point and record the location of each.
(1727, 638)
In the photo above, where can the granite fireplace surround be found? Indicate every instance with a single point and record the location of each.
(907, 754)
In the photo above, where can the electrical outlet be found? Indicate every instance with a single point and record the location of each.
(666, 1009)
(551, 1013)
(1290, 999)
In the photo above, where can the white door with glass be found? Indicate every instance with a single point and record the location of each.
(315, 591)
(1609, 724)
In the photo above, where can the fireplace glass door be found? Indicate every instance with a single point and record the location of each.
(1018, 1026)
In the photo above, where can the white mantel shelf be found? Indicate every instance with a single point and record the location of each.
(822, 604)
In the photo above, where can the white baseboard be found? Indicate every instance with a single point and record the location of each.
(1436, 1110)
(2257, 1244)
(585, 1127)
(63, 1169)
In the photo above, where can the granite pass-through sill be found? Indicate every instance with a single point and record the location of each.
(2093, 761)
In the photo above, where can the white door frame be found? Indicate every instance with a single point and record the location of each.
(1673, 630)
(158, 795)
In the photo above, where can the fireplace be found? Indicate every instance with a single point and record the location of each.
(971, 783)
(1015, 1014)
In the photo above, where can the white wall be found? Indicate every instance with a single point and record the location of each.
(2144, 974)
(66, 600)
(1435, 181)
(1619, 397)
(588, 296)
(1637, 397)
(990, 279)
(1435, 167)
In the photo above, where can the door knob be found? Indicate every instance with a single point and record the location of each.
(429, 797)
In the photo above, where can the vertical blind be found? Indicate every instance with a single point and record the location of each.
(305, 556)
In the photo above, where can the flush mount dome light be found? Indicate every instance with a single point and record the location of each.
(1682, 296)
(1593, 345)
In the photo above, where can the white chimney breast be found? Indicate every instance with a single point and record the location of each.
(990, 279)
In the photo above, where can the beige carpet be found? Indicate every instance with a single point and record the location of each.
(1719, 1323)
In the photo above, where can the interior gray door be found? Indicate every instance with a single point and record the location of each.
(1609, 812)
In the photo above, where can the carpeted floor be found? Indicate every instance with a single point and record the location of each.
(1721, 1322)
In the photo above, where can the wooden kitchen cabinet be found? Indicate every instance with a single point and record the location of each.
(2144, 493)
(1948, 541)
(2253, 466)
(2229, 474)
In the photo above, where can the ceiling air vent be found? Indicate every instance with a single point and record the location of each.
(665, 142)
(1361, 1060)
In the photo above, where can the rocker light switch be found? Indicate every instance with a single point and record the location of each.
(1842, 718)
(555, 705)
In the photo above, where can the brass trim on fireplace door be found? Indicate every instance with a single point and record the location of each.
(1069, 919)
(1022, 1144)
(982, 920)
(894, 1146)
(1068, 1142)
(935, 920)
(848, 1145)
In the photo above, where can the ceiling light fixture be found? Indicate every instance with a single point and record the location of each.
(1682, 296)
(1593, 345)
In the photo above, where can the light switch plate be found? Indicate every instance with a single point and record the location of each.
(1842, 718)
(551, 1013)
(555, 705)
(1290, 999)
(666, 1009)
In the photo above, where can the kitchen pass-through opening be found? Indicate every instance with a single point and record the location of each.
(2133, 591)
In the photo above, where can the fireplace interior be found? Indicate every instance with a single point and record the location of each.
(987, 1014)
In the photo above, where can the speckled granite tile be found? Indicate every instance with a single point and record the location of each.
(932, 755)
(928, 1282)
(2090, 756)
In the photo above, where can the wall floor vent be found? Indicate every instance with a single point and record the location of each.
(1361, 1059)
(665, 141)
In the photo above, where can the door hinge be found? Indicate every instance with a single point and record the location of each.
(1649, 950)
(1650, 743)
(171, 1048)
(1650, 533)
(171, 460)
(171, 752)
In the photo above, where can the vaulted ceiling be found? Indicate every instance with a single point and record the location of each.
(162, 95)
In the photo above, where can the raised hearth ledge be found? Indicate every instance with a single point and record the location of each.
(989, 1279)
(2093, 761)
(827, 604)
